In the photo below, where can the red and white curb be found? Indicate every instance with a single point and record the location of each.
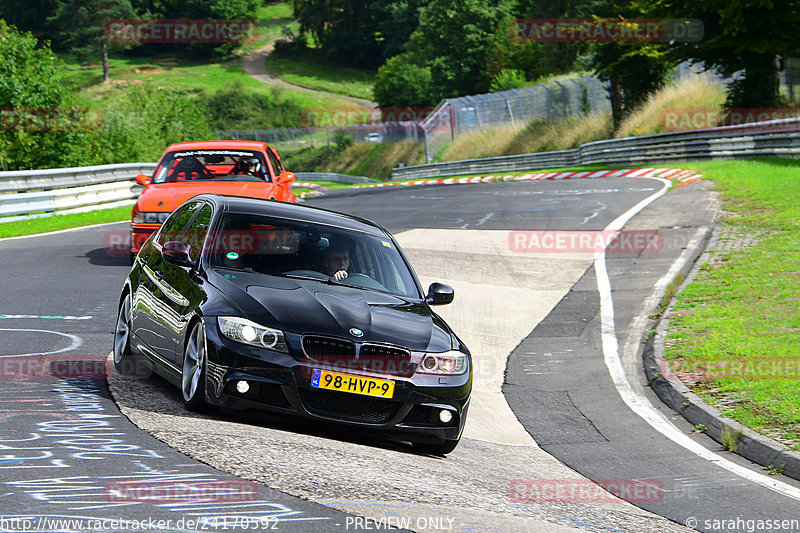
(316, 189)
(685, 177)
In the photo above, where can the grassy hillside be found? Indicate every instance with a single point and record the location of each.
(307, 69)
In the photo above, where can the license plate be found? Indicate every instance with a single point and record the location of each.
(325, 379)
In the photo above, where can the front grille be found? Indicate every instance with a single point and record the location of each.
(349, 407)
(328, 349)
(375, 358)
(385, 359)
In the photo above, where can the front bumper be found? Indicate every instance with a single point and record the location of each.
(281, 383)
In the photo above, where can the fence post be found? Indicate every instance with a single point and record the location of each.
(510, 112)
(563, 98)
(548, 100)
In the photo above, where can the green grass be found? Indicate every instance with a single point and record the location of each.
(170, 71)
(306, 69)
(740, 318)
(59, 222)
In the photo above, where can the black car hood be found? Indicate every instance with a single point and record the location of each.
(307, 306)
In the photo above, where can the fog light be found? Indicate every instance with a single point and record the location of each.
(445, 416)
(242, 386)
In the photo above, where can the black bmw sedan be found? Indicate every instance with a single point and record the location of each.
(256, 304)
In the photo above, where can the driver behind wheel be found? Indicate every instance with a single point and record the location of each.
(247, 165)
(337, 261)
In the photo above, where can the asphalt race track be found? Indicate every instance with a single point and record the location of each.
(559, 394)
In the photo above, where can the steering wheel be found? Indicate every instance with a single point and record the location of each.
(365, 281)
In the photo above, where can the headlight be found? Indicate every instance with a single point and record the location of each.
(248, 332)
(150, 217)
(451, 362)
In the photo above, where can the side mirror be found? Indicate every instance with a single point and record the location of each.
(142, 179)
(286, 177)
(439, 294)
(177, 252)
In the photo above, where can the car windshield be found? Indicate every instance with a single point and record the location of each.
(190, 165)
(311, 251)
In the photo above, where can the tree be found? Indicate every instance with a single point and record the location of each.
(742, 38)
(42, 124)
(394, 24)
(28, 16)
(465, 43)
(401, 83)
(633, 71)
(80, 25)
(539, 59)
(208, 9)
(345, 29)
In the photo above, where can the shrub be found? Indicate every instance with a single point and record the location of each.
(145, 121)
(235, 107)
(401, 83)
(31, 90)
(507, 79)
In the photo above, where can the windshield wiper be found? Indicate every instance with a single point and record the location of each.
(238, 269)
(303, 276)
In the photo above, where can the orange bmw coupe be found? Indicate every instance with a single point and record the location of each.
(238, 168)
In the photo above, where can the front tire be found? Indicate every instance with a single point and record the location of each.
(126, 363)
(122, 338)
(193, 375)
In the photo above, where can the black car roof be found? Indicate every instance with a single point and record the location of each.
(272, 208)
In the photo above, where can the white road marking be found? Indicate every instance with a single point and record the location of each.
(638, 403)
(75, 342)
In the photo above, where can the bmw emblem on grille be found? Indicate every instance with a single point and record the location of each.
(355, 332)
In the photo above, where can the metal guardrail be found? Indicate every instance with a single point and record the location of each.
(332, 176)
(67, 190)
(760, 139)
(57, 178)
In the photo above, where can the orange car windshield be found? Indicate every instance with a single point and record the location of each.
(191, 165)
